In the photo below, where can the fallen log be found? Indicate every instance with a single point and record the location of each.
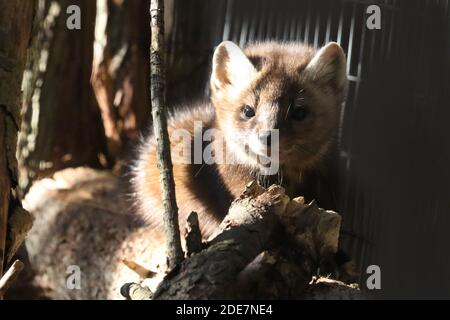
(268, 246)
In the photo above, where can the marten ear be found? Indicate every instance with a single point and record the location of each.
(328, 67)
(231, 69)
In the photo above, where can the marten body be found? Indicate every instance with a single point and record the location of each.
(290, 89)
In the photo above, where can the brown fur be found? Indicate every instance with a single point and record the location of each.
(281, 77)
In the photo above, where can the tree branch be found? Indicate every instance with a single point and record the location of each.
(164, 161)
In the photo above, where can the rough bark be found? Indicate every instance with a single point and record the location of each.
(121, 70)
(15, 28)
(159, 113)
(267, 247)
(61, 120)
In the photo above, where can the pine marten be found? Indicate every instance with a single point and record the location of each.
(287, 90)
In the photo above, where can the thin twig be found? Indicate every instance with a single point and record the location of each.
(9, 277)
(140, 270)
(164, 161)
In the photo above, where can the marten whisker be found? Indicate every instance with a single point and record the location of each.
(287, 112)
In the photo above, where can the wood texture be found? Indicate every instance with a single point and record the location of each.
(62, 125)
(15, 28)
(121, 70)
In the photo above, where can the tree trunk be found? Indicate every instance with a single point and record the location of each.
(121, 69)
(61, 120)
(16, 18)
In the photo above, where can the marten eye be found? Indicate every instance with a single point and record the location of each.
(299, 113)
(248, 112)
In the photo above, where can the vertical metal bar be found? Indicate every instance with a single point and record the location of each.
(357, 219)
(367, 227)
(234, 27)
(228, 20)
(293, 28)
(244, 32)
(270, 19)
(261, 20)
(344, 114)
(254, 25)
(341, 22)
(307, 25)
(363, 226)
(328, 32)
(316, 31)
(279, 24)
(374, 35)
(350, 40)
(383, 33)
(299, 28)
(287, 23)
(391, 31)
(217, 37)
(361, 58)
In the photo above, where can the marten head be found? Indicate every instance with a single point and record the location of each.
(289, 89)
